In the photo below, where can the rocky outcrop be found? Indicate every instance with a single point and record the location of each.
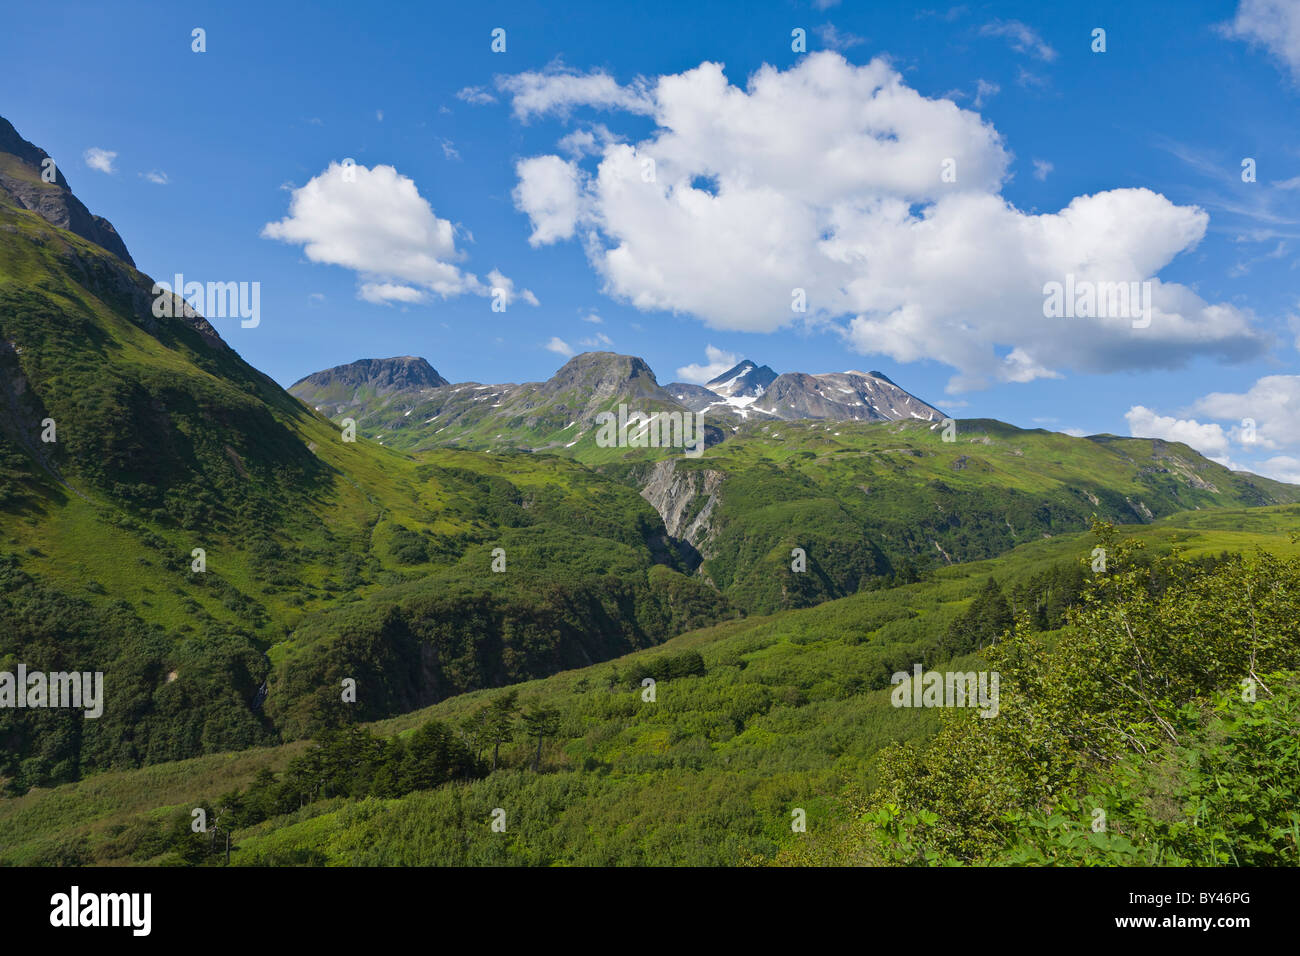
(685, 499)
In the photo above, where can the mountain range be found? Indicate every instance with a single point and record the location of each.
(403, 402)
(173, 518)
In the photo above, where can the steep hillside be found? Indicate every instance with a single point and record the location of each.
(30, 179)
(874, 502)
(171, 517)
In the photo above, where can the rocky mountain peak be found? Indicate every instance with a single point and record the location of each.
(745, 380)
(21, 182)
(367, 378)
(607, 374)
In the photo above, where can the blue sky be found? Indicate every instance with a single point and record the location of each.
(760, 189)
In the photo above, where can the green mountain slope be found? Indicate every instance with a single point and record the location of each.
(888, 499)
(128, 443)
(780, 713)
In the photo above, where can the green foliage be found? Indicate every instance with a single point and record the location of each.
(1116, 716)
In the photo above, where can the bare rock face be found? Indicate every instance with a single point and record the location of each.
(685, 500)
(21, 165)
(842, 396)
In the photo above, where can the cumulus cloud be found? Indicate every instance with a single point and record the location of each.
(1042, 169)
(376, 223)
(558, 89)
(1272, 403)
(718, 362)
(827, 178)
(548, 192)
(1282, 468)
(589, 141)
(1273, 25)
(1023, 38)
(1266, 417)
(385, 293)
(560, 347)
(100, 159)
(1209, 439)
(500, 285)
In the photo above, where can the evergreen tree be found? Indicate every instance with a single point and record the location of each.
(541, 722)
(501, 722)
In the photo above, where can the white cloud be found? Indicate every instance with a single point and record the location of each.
(558, 89)
(984, 91)
(1273, 25)
(1209, 439)
(834, 39)
(449, 150)
(718, 362)
(475, 96)
(156, 176)
(376, 223)
(1023, 38)
(594, 319)
(560, 347)
(826, 177)
(100, 159)
(1273, 403)
(1042, 168)
(548, 193)
(385, 293)
(589, 141)
(497, 282)
(597, 341)
(1282, 468)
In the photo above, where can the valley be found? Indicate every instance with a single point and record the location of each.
(479, 574)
